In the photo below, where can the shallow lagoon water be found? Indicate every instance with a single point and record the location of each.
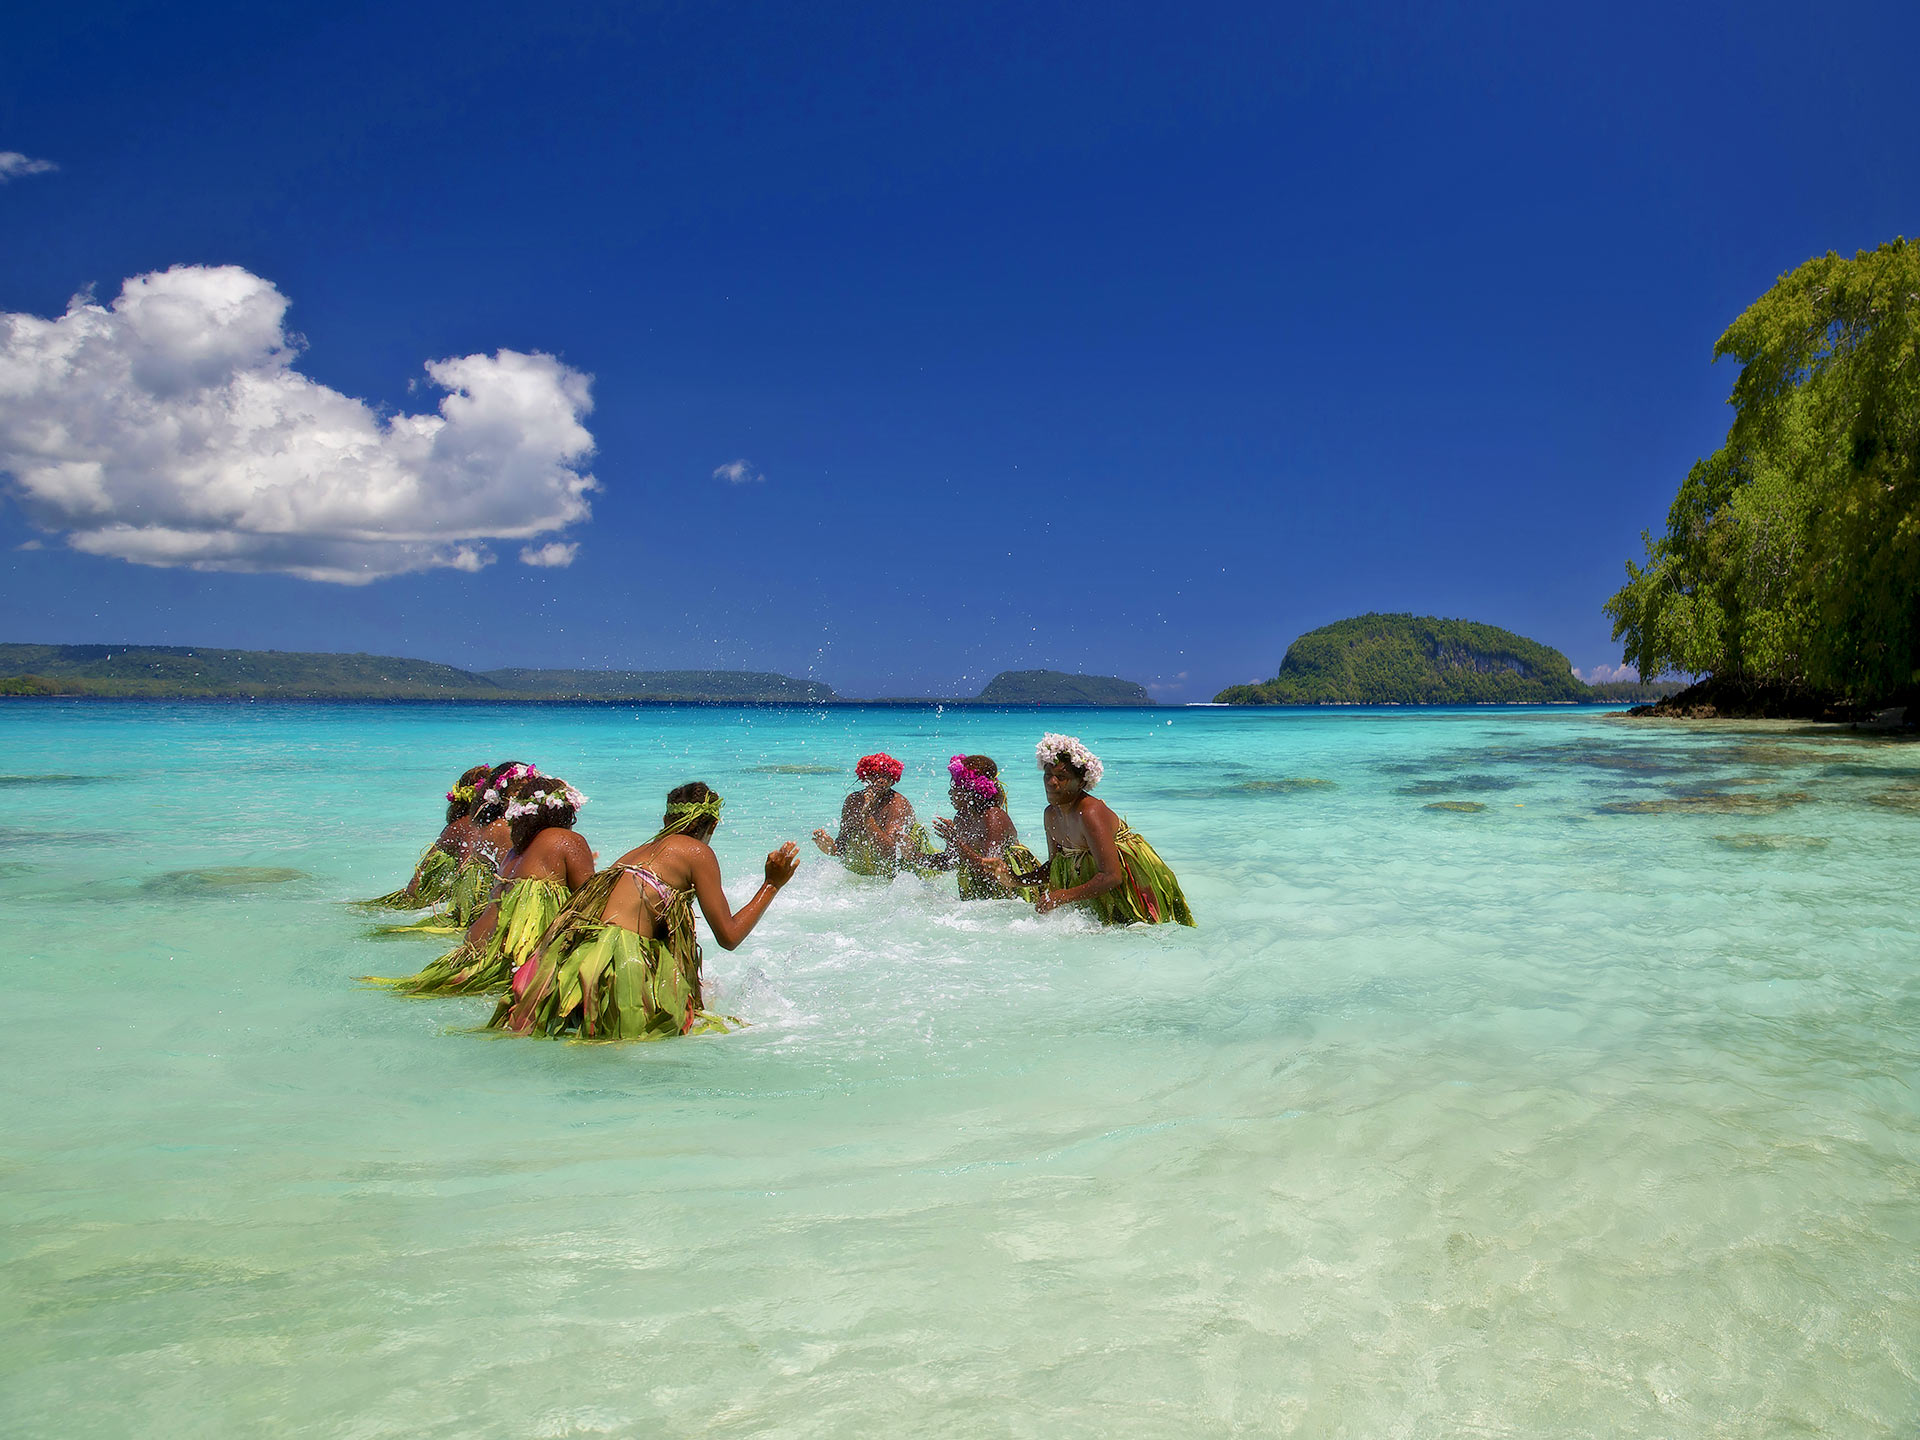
(1590, 1111)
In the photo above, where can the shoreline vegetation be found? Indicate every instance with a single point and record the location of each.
(180, 672)
(1789, 571)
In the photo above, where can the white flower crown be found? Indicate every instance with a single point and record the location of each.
(552, 800)
(1053, 748)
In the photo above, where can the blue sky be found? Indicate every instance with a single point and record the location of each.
(1133, 340)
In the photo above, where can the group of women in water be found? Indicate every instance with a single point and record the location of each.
(611, 953)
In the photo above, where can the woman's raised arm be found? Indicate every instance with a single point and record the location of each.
(729, 926)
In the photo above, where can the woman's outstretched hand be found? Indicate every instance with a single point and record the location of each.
(783, 862)
(823, 840)
(1045, 902)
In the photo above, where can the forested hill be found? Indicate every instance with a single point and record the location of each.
(1414, 660)
(1056, 687)
(707, 685)
(192, 673)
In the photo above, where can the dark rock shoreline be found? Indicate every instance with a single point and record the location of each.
(1716, 698)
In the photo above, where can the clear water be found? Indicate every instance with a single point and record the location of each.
(1589, 1112)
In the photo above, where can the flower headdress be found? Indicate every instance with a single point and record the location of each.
(1053, 749)
(879, 767)
(977, 782)
(497, 787)
(460, 795)
(552, 800)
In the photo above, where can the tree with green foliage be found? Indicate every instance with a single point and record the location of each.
(1414, 660)
(1792, 554)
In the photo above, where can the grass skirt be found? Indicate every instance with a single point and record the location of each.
(465, 894)
(977, 884)
(432, 878)
(1148, 895)
(527, 908)
(860, 856)
(609, 983)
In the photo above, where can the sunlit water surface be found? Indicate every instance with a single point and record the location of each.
(1582, 1104)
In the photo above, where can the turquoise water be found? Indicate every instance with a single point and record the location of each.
(1587, 1112)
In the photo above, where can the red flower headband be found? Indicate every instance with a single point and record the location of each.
(880, 767)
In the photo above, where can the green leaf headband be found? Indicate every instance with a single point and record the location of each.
(683, 815)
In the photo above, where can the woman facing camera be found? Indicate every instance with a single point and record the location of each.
(1093, 858)
(878, 832)
(980, 831)
(548, 861)
(622, 961)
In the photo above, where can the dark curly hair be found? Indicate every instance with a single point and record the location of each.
(524, 827)
(483, 813)
(469, 779)
(692, 793)
(986, 765)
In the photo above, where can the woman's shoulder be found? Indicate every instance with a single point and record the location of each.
(555, 839)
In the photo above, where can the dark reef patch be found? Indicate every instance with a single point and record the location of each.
(221, 879)
(1458, 807)
(1708, 802)
(1772, 842)
(1460, 785)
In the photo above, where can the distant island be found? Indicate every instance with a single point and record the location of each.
(1422, 660)
(191, 672)
(181, 672)
(1056, 687)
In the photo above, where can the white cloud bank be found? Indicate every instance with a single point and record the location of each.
(738, 472)
(13, 165)
(170, 428)
(1604, 674)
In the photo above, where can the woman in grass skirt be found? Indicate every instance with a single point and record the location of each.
(980, 832)
(471, 884)
(549, 861)
(433, 876)
(878, 834)
(1094, 859)
(622, 961)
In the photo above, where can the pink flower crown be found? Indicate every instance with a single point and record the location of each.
(983, 785)
(498, 790)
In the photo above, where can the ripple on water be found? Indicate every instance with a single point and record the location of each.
(18, 782)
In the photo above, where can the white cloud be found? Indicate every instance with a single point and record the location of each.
(1164, 687)
(552, 555)
(170, 428)
(14, 164)
(1602, 674)
(738, 472)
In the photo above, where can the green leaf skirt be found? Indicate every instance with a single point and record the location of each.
(1149, 894)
